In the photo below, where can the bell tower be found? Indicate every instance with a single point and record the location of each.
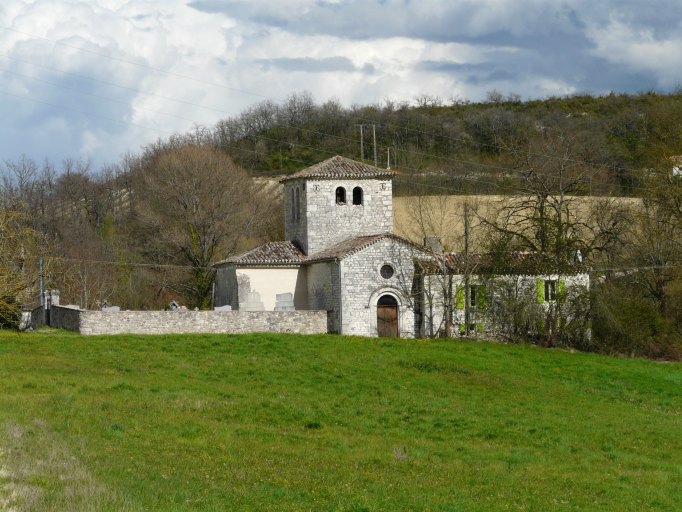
(336, 200)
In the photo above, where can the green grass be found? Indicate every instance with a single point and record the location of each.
(274, 422)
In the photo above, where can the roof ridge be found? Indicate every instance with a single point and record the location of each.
(339, 167)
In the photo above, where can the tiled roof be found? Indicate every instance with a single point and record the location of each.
(353, 245)
(270, 253)
(515, 263)
(339, 167)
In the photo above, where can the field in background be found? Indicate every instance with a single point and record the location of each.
(284, 423)
(443, 216)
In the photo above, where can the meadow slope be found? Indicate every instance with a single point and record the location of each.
(290, 423)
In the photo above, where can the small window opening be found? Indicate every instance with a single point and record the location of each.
(340, 195)
(297, 210)
(293, 205)
(357, 195)
(473, 296)
(550, 290)
(386, 271)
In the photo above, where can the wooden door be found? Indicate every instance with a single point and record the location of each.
(387, 317)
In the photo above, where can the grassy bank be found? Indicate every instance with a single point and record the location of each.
(272, 422)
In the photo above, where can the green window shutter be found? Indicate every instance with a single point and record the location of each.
(459, 297)
(479, 328)
(462, 329)
(482, 302)
(562, 289)
(540, 288)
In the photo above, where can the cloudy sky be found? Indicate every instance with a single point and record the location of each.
(96, 78)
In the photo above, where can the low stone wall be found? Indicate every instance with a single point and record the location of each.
(182, 322)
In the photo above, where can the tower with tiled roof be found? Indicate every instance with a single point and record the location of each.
(336, 200)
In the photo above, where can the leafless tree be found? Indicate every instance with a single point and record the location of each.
(193, 206)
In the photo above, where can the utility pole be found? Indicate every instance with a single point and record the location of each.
(467, 291)
(388, 158)
(374, 136)
(362, 147)
(40, 267)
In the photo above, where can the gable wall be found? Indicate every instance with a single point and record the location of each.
(362, 285)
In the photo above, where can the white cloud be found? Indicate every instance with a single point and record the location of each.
(640, 49)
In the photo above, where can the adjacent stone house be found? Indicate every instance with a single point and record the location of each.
(341, 256)
(517, 294)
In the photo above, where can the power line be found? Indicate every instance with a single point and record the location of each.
(113, 84)
(90, 114)
(138, 64)
(114, 100)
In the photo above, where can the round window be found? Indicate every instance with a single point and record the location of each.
(386, 271)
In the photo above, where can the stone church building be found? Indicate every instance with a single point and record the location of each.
(340, 255)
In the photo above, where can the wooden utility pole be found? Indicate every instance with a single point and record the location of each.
(362, 146)
(467, 291)
(374, 137)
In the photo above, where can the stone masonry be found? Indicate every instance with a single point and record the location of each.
(322, 222)
(185, 322)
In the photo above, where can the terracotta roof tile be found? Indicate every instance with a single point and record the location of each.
(515, 263)
(270, 253)
(339, 167)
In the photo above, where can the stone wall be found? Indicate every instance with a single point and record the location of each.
(38, 317)
(182, 322)
(65, 317)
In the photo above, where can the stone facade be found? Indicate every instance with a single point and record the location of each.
(362, 285)
(320, 222)
(185, 322)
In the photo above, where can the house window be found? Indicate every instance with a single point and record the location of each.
(473, 296)
(357, 195)
(550, 290)
(340, 195)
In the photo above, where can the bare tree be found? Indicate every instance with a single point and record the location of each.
(194, 205)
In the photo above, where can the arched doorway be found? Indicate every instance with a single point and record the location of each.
(387, 316)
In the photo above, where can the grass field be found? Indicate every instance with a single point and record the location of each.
(275, 422)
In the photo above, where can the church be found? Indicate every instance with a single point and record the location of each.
(340, 255)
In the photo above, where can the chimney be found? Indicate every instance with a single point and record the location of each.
(433, 244)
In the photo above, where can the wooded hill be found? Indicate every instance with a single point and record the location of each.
(466, 147)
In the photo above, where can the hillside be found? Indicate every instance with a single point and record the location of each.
(271, 422)
(464, 148)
